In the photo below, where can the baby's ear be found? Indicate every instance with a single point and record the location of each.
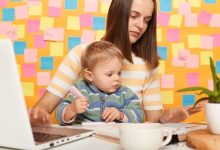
(88, 75)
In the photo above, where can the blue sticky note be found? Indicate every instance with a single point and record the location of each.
(210, 1)
(19, 47)
(217, 66)
(46, 63)
(98, 23)
(73, 41)
(165, 5)
(188, 99)
(70, 4)
(8, 14)
(162, 52)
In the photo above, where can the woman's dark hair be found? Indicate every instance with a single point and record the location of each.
(117, 33)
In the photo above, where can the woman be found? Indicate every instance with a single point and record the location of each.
(131, 25)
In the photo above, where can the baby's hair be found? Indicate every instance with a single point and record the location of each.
(99, 52)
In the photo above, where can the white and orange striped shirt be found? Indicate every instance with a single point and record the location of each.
(136, 76)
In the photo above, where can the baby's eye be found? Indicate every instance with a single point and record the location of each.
(109, 74)
(119, 73)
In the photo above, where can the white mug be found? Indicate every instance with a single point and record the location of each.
(143, 136)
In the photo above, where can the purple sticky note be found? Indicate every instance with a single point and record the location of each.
(207, 42)
(184, 8)
(88, 36)
(183, 54)
(54, 12)
(21, 12)
(163, 18)
(191, 20)
(54, 34)
(3, 3)
(192, 79)
(39, 41)
(43, 78)
(167, 81)
(204, 17)
(33, 25)
(173, 35)
(29, 70)
(214, 21)
(86, 20)
(30, 55)
(192, 61)
(216, 39)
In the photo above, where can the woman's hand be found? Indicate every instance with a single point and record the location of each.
(110, 114)
(39, 116)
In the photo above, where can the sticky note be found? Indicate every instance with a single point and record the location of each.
(191, 20)
(184, 8)
(19, 47)
(183, 54)
(167, 81)
(98, 23)
(73, 23)
(35, 10)
(207, 42)
(210, 84)
(99, 34)
(8, 14)
(29, 70)
(46, 22)
(41, 91)
(10, 32)
(204, 57)
(192, 79)
(91, 5)
(218, 66)
(176, 3)
(20, 30)
(175, 20)
(161, 69)
(167, 97)
(210, 1)
(188, 99)
(55, 3)
(33, 25)
(192, 61)
(159, 34)
(73, 41)
(46, 63)
(216, 40)
(173, 35)
(19, 69)
(178, 62)
(21, 12)
(5, 26)
(86, 20)
(43, 78)
(30, 55)
(195, 3)
(162, 52)
(56, 48)
(70, 4)
(175, 47)
(204, 17)
(88, 36)
(3, 3)
(39, 41)
(165, 5)
(104, 7)
(163, 18)
(213, 21)
(33, 2)
(54, 11)
(194, 41)
(54, 34)
(28, 88)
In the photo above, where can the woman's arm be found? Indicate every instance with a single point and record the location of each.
(153, 115)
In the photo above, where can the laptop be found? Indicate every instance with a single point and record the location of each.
(15, 128)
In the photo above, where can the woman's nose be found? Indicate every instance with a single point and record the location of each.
(140, 23)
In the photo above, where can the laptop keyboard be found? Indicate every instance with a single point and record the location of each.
(44, 137)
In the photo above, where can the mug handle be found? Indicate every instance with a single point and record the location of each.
(168, 138)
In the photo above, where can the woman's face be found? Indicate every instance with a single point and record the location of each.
(140, 15)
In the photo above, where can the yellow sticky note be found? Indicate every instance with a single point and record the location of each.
(28, 88)
(175, 20)
(161, 67)
(19, 69)
(73, 23)
(99, 34)
(2, 36)
(46, 22)
(194, 41)
(35, 10)
(104, 7)
(167, 97)
(21, 30)
(56, 48)
(204, 57)
(195, 3)
(175, 47)
(176, 3)
(159, 35)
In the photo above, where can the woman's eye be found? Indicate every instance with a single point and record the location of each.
(133, 16)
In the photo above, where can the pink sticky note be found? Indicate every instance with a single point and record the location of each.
(178, 62)
(43, 78)
(33, 2)
(33, 25)
(21, 12)
(4, 26)
(55, 3)
(163, 18)
(86, 20)
(173, 35)
(39, 41)
(214, 21)
(167, 81)
(3, 3)
(11, 33)
(91, 5)
(192, 61)
(29, 70)
(54, 11)
(192, 79)
(216, 39)
(88, 36)
(210, 84)
(54, 34)
(41, 91)
(204, 17)
(191, 20)
(183, 54)
(184, 8)
(30, 55)
(207, 42)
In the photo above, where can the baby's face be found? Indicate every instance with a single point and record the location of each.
(106, 75)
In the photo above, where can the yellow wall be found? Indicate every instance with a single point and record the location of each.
(26, 21)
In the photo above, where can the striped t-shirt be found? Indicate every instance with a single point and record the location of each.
(136, 76)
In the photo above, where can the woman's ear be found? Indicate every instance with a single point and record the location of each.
(88, 75)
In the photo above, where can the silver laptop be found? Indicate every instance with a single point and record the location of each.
(15, 129)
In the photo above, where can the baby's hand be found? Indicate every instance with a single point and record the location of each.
(79, 105)
(39, 116)
(110, 114)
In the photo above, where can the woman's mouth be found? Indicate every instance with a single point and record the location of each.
(134, 33)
